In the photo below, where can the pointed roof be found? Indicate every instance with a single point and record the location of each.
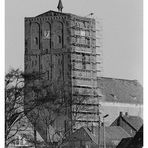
(136, 141)
(113, 133)
(134, 121)
(60, 6)
(82, 134)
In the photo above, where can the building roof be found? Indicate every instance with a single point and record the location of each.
(134, 121)
(113, 133)
(69, 15)
(124, 142)
(83, 134)
(52, 13)
(134, 142)
(120, 90)
(137, 141)
(116, 133)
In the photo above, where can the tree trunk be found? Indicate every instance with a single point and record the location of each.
(35, 138)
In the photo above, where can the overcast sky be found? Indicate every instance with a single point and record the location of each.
(122, 31)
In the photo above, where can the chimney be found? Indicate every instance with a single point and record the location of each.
(126, 113)
(119, 118)
(120, 114)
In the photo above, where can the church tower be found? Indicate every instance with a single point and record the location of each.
(60, 55)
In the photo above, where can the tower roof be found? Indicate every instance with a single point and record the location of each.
(60, 6)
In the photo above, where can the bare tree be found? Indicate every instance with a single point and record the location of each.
(14, 84)
(47, 104)
(16, 121)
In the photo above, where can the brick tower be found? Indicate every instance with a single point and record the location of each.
(60, 48)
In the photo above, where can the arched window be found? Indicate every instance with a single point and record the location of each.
(36, 41)
(60, 39)
(35, 36)
(57, 37)
(46, 35)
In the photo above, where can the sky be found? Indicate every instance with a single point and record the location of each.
(122, 32)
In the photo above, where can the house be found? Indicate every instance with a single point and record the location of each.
(131, 124)
(134, 142)
(25, 137)
(92, 137)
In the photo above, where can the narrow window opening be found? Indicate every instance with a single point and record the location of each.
(46, 51)
(48, 74)
(36, 41)
(60, 39)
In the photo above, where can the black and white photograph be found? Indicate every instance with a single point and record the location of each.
(73, 74)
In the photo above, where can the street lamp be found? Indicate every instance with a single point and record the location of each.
(99, 126)
(104, 144)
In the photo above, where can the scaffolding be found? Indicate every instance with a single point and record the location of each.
(86, 42)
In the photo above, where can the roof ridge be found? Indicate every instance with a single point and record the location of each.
(92, 137)
(129, 123)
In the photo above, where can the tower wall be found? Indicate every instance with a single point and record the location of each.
(48, 71)
(60, 53)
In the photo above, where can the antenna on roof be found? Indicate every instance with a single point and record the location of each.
(60, 6)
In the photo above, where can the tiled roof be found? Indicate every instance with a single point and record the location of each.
(116, 132)
(135, 121)
(137, 141)
(134, 142)
(120, 90)
(113, 133)
(124, 143)
(82, 134)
